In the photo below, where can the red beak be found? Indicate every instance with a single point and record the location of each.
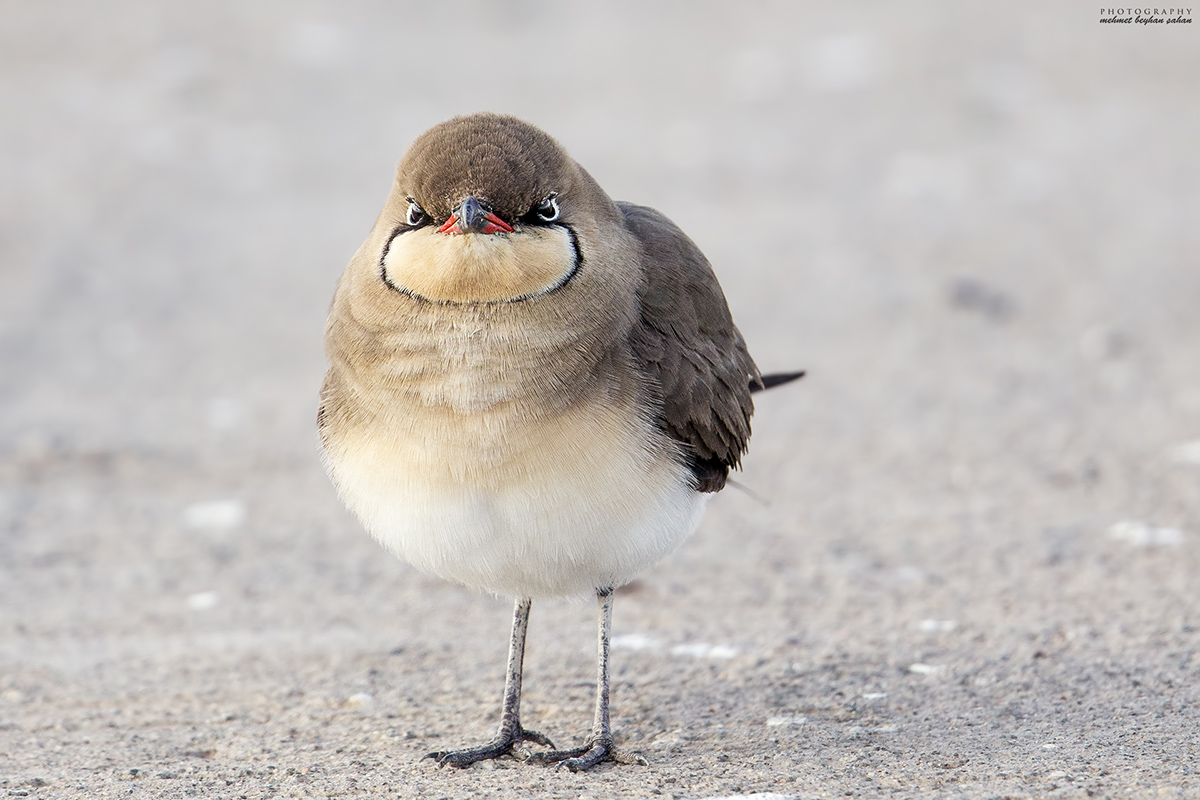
(471, 216)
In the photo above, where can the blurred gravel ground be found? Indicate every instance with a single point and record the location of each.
(969, 565)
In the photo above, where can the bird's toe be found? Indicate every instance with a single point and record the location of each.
(592, 753)
(536, 738)
(502, 746)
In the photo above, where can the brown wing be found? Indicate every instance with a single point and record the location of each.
(687, 343)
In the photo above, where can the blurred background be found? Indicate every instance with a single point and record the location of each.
(973, 223)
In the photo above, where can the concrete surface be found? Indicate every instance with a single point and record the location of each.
(968, 565)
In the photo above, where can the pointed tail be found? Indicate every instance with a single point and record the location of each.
(774, 379)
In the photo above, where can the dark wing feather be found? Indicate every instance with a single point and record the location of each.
(686, 342)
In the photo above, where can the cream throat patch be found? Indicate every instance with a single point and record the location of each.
(479, 268)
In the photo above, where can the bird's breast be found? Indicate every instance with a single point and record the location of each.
(517, 501)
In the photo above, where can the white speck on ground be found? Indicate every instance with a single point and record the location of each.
(936, 625)
(704, 650)
(360, 699)
(216, 515)
(203, 601)
(776, 722)
(925, 669)
(874, 696)
(634, 641)
(1141, 534)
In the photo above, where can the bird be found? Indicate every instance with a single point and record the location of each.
(533, 390)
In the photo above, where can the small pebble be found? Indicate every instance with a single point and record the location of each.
(203, 601)
(1140, 534)
(1049, 746)
(360, 699)
(779, 722)
(937, 625)
(874, 696)
(925, 669)
(704, 650)
(634, 641)
(215, 515)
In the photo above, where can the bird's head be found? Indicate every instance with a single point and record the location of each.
(485, 209)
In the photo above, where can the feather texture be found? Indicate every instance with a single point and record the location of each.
(686, 344)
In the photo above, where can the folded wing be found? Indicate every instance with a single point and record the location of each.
(687, 343)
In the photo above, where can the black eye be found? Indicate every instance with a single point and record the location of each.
(547, 210)
(416, 215)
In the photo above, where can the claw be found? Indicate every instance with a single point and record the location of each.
(493, 749)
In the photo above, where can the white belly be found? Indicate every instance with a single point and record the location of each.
(560, 507)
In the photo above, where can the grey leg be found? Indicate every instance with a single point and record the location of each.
(599, 746)
(510, 732)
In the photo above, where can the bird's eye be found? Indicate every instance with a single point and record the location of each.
(547, 211)
(416, 214)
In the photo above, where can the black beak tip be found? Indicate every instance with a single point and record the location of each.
(470, 214)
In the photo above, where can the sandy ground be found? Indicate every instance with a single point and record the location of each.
(967, 563)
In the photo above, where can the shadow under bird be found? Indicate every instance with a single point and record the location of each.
(533, 390)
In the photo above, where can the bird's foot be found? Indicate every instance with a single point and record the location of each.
(594, 751)
(502, 745)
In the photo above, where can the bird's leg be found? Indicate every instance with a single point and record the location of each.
(510, 733)
(599, 746)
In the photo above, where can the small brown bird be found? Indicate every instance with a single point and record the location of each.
(533, 390)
